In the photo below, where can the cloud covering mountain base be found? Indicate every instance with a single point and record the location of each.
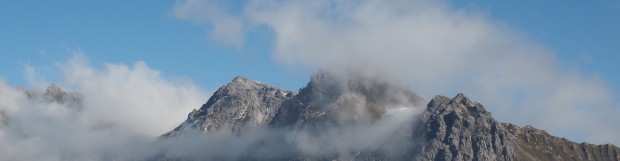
(434, 47)
(124, 107)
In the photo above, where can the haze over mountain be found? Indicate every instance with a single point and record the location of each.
(353, 117)
(338, 115)
(75, 84)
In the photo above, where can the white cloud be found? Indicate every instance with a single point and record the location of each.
(441, 49)
(223, 26)
(135, 97)
(124, 108)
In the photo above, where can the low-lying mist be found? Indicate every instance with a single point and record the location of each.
(124, 109)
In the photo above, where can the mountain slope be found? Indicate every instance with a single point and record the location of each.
(535, 144)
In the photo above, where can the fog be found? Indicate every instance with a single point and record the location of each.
(434, 47)
(124, 108)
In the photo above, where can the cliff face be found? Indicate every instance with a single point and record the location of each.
(446, 129)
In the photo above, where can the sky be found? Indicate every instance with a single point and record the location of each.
(559, 55)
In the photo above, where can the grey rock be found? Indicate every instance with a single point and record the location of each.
(3, 119)
(448, 128)
(53, 93)
(460, 129)
(328, 96)
(240, 104)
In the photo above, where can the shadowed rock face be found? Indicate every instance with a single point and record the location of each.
(448, 129)
(339, 99)
(460, 129)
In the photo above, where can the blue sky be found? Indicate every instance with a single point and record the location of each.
(560, 55)
(39, 33)
(584, 36)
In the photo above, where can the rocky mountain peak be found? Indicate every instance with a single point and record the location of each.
(241, 86)
(331, 96)
(54, 93)
(454, 128)
(241, 103)
(243, 80)
(460, 104)
(52, 90)
(461, 129)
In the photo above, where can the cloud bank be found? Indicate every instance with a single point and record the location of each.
(437, 49)
(124, 109)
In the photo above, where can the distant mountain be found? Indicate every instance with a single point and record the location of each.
(53, 93)
(444, 129)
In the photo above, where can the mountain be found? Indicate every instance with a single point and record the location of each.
(53, 93)
(328, 95)
(349, 116)
(240, 103)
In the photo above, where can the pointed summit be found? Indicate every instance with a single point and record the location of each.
(345, 95)
(454, 128)
(239, 104)
(461, 129)
(239, 79)
(458, 103)
(53, 90)
(54, 93)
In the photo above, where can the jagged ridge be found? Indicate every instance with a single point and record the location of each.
(448, 129)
